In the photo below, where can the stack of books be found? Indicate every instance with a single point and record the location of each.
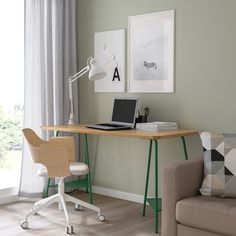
(156, 126)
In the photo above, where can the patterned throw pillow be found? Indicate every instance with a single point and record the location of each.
(219, 166)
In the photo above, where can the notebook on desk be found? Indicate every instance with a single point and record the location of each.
(123, 115)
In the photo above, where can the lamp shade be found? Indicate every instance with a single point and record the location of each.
(96, 72)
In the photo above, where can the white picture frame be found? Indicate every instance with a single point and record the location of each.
(151, 52)
(109, 51)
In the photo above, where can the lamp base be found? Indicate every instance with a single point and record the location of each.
(71, 119)
(70, 122)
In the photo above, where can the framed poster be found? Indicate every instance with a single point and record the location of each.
(151, 53)
(109, 51)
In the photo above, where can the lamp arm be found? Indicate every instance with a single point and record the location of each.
(79, 74)
(71, 118)
(82, 72)
(71, 80)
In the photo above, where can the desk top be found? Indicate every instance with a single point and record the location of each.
(82, 129)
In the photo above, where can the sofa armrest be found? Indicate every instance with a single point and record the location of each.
(179, 180)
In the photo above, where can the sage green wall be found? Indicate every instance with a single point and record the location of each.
(205, 83)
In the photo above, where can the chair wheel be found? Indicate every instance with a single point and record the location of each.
(101, 217)
(24, 225)
(78, 207)
(69, 229)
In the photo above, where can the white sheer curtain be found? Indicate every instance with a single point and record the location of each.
(50, 57)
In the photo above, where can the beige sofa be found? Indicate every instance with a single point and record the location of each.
(186, 212)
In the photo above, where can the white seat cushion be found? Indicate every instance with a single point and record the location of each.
(76, 168)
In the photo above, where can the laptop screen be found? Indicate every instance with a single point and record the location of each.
(124, 110)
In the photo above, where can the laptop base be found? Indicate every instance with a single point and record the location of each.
(108, 126)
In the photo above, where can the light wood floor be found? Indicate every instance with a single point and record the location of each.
(123, 218)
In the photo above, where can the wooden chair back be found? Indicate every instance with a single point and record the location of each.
(55, 154)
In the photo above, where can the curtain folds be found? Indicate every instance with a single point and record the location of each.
(50, 58)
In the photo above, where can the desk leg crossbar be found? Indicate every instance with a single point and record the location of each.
(155, 202)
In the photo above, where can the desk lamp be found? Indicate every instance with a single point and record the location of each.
(96, 72)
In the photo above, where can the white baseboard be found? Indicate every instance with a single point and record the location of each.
(8, 199)
(8, 195)
(118, 194)
(96, 189)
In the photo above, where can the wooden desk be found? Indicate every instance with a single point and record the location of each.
(151, 136)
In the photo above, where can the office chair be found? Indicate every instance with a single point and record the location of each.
(58, 159)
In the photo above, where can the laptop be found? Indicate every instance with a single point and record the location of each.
(123, 115)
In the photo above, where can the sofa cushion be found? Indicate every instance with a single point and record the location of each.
(219, 166)
(212, 214)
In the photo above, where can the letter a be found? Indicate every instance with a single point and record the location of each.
(116, 74)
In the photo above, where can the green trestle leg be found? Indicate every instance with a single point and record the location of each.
(156, 186)
(88, 176)
(155, 202)
(185, 148)
(147, 177)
